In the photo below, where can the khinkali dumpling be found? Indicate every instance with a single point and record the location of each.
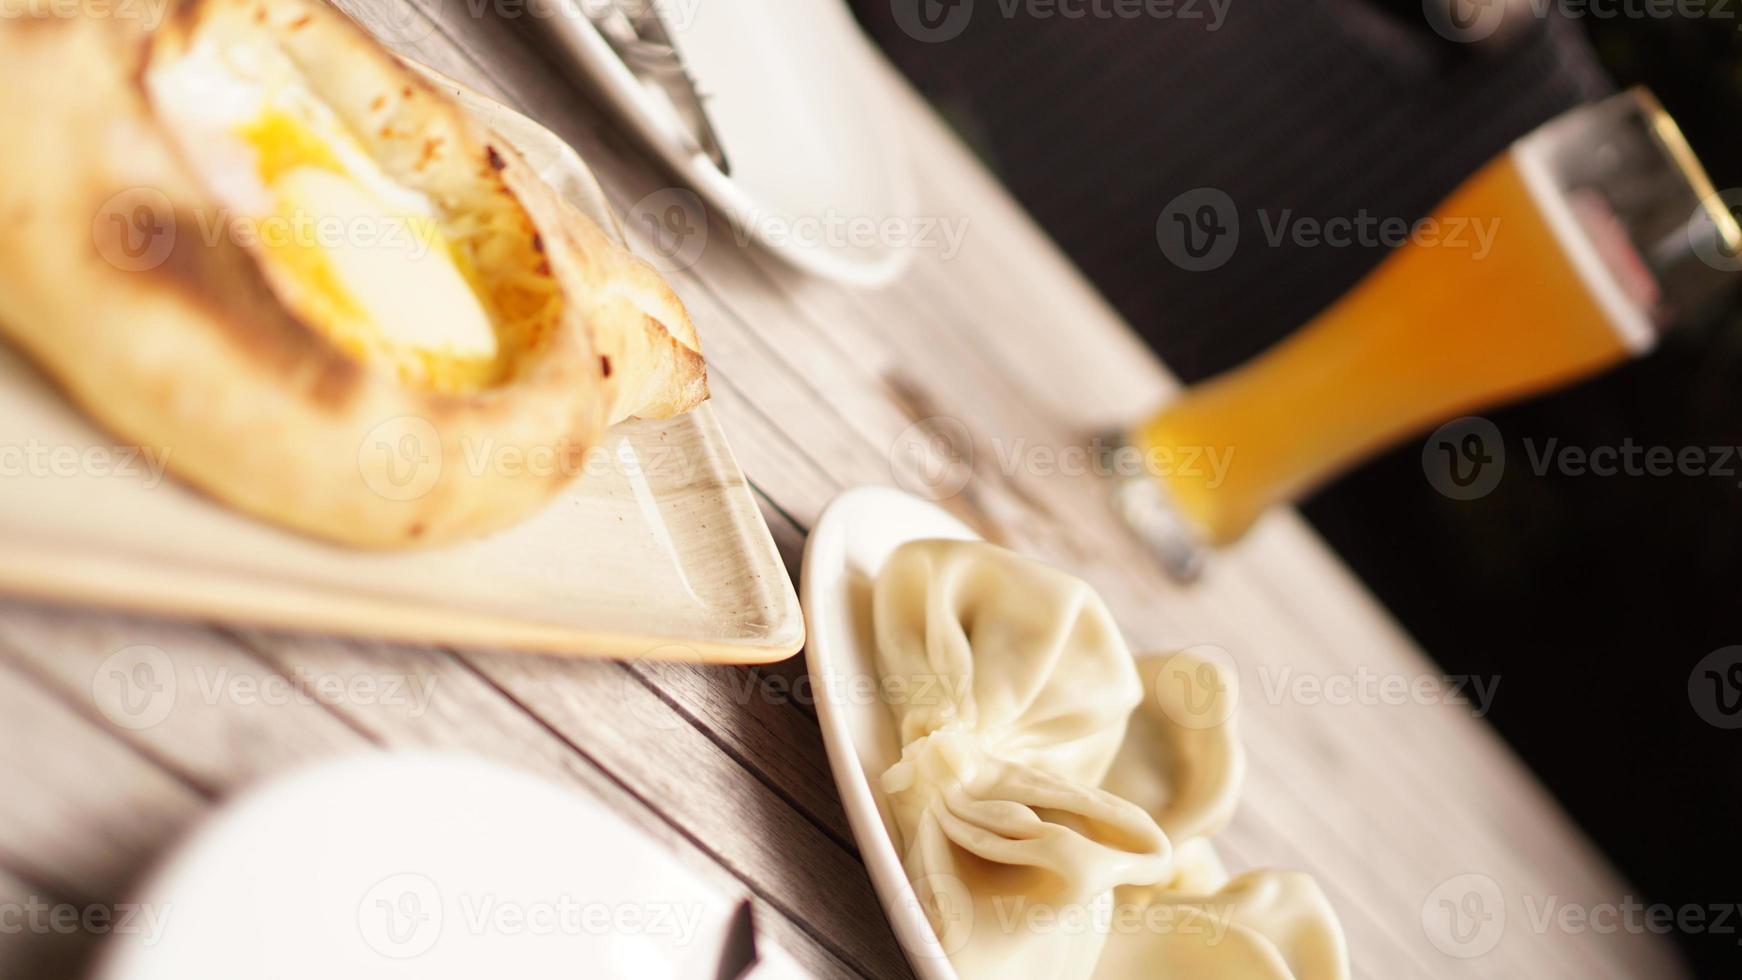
(1003, 645)
(1048, 836)
(1263, 925)
(1014, 689)
(1183, 762)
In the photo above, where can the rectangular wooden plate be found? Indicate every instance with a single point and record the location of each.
(657, 550)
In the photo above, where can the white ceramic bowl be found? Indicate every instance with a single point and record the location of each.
(854, 537)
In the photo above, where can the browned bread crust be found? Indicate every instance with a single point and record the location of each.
(173, 337)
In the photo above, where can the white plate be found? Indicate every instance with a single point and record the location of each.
(423, 865)
(851, 541)
(784, 85)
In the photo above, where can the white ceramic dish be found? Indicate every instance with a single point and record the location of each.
(783, 84)
(855, 535)
(424, 865)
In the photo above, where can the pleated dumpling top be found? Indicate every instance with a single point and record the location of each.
(1010, 686)
(1043, 837)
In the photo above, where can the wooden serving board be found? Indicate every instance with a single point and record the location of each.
(657, 550)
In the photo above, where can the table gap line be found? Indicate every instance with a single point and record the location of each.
(20, 666)
(724, 745)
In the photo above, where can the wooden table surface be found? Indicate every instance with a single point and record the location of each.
(815, 384)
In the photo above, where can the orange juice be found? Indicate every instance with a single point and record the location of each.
(1436, 331)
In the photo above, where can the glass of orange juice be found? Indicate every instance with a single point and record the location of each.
(1606, 232)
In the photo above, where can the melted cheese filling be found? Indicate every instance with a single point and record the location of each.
(352, 252)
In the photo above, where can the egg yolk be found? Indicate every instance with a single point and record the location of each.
(357, 261)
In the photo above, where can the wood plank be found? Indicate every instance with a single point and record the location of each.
(81, 812)
(38, 939)
(218, 718)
